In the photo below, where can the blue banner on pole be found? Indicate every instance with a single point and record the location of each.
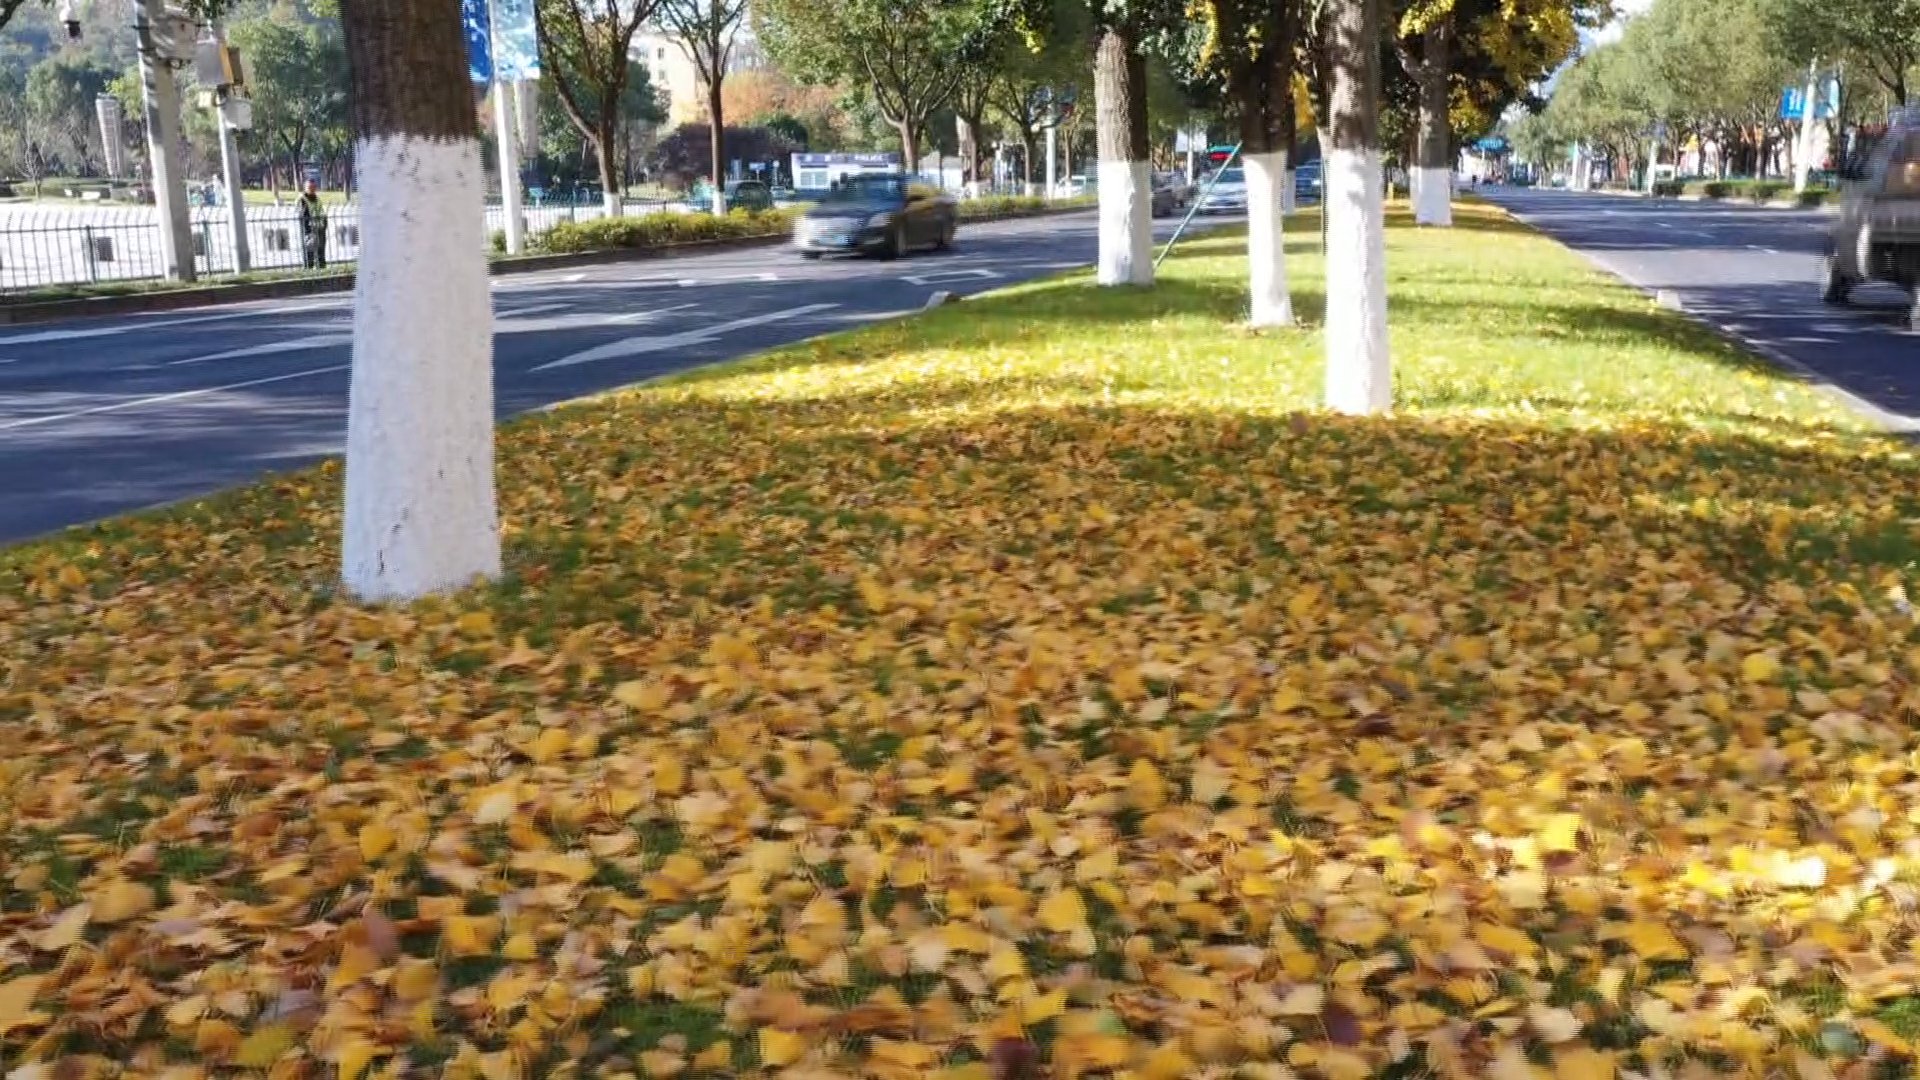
(1793, 102)
(516, 44)
(473, 17)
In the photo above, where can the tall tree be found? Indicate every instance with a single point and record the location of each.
(1040, 68)
(1359, 367)
(588, 46)
(295, 70)
(420, 508)
(971, 98)
(1125, 170)
(907, 54)
(1425, 48)
(1882, 36)
(705, 30)
(1248, 57)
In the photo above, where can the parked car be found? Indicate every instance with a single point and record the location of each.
(1074, 187)
(749, 195)
(1876, 234)
(880, 215)
(1228, 195)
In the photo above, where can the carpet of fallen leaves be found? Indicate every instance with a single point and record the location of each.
(983, 696)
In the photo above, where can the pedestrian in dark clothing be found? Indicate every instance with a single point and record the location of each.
(313, 229)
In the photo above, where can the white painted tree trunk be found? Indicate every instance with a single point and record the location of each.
(1126, 223)
(1290, 191)
(1270, 304)
(1359, 367)
(611, 201)
(420, 514)
(719, 201)
(1432, 196)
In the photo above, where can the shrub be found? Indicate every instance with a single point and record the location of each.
(1766, 190)
(1814, 197)
(658, 230)
(1667, 189)
(1718, 189)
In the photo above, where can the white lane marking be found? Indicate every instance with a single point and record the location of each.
(317, 341)
(649, 316)
(1763, 250)
(61, 335)
(533, 309)
(936, 277)
(45, 336)
(715, 279)
(638, 346)
(161, 399)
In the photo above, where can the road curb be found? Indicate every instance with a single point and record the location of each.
(1771, 204)
(217, 295)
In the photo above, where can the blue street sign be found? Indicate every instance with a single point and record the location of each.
(1793, 102)
(479, 28)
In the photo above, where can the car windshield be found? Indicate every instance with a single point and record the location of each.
(867, 189)
(1233, 176)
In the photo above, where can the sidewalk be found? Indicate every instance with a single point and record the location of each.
(1038, 677)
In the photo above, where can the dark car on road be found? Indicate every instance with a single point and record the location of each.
(879, 215)
(1876, 233)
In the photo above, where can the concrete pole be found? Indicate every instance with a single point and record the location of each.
(162, 97)
(508, 143)
(1803, 155)
(230, 172)
(1053, 160)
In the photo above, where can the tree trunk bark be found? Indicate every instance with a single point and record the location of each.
(1433, 180)
(909, 146)
(1029, 147)
(1359, 367)
(1266, 98)
(969, 155)
(420, 511)
(605, 154)
(1125, 178)
(717, 125)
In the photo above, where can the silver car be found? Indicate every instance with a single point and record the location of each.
(1228, 195)
(1876, 234)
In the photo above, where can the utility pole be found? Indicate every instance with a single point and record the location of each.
(162, 97)
(507, 141)
(1803, 155)
(225, 103)
(1053, 158)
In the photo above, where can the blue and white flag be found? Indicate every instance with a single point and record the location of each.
(516, 44)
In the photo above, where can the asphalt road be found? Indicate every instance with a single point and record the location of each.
(1753, 272)
(102, 416)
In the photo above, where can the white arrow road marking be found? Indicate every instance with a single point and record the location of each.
(318, 341)
(639, 346)
(936, 277)
(162, 399)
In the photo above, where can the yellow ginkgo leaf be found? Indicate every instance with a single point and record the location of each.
(66, 929)
(1064, 912)
(376, 839)
(1759, 667)
(1561, 833)
(122, 900)
(16, 1002)
(471, 935)
(1653, 941)
(1582, 1063)
(779, 1047)
(643, 697)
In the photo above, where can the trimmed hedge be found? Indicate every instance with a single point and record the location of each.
(1759, 191)
(1668, 189)
(656, 230)
(1009, 205)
